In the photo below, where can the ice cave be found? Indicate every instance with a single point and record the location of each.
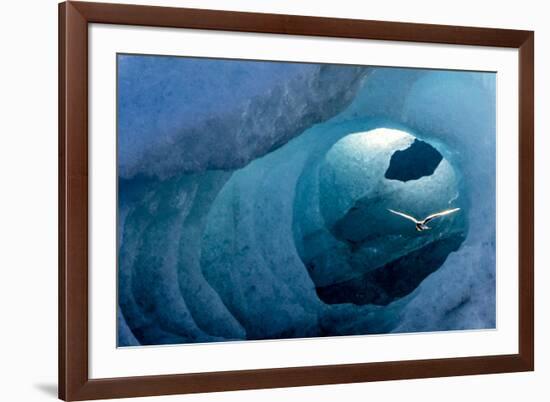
(253, 200)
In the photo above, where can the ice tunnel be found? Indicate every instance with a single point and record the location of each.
(292, 237)
(356, 250)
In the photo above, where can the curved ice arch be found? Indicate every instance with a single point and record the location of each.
(230, 111)
(351, 231)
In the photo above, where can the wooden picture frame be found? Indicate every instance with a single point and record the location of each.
(74, 381)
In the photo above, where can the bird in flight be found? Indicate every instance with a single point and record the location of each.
(421, 224)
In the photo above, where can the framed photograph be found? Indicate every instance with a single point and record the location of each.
(258, 200)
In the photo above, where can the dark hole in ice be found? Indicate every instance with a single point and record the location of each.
(393, 280)
(419, 160)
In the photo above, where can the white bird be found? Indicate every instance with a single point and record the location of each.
(421, 224)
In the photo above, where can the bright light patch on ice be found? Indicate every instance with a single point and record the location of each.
(377, 139)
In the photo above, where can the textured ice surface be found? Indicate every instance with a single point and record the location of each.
(181, 115)
(252, 201)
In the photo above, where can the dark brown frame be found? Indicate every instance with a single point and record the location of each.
(74, 17)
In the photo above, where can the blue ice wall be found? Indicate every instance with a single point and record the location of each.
(253, 200)
(182, 115)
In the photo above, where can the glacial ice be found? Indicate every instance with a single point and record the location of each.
(269, 221)
(355, 233)
(263, 106)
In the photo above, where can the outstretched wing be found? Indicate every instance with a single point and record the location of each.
(403, 215)
(439, 214)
